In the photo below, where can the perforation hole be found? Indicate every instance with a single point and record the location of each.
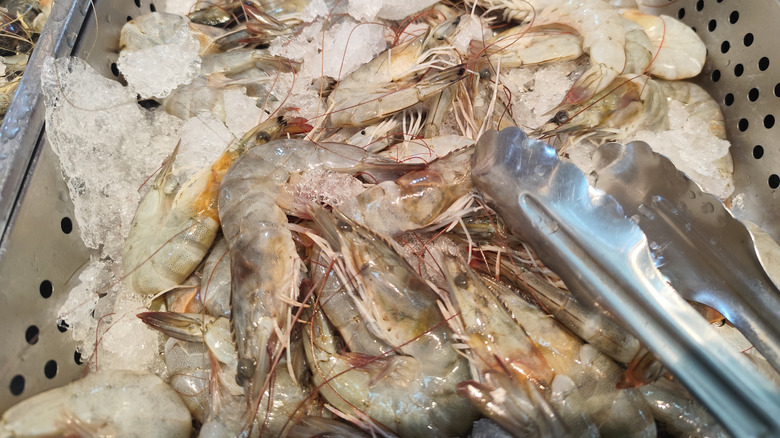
(747, 40)
(681, 13)
(774, 181)
(777, 89)
(77, 358)
(66, 225)
(62, 326)
(738, 70)
(724, 46)
(733, 17)
(152, 7)
(712, 25)
(728, 99)
(715, 76)
(45, 289)
(758, 151)
(763, 63)
(769, 121)
(743, 125)
(31, 334)
(137, 3)
(700, 5)
(50, 369)
(129, 18)
(753, 94)
(17, 384)
(114, 69)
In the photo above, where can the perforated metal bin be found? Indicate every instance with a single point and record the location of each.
(41, 248)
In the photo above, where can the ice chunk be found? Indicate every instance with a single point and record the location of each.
(178, 7)
(159, 53)
(400, 9)
(363, 10)
(241, 112)
(695, 150)
(538, 89)
(347, 46)
(128, 343)
(77, 310)
(203, 139)
(107, 144)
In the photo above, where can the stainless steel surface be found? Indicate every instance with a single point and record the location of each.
(37, 257)
(23, 123)
(603, 257)
(707, 255)
(742, 73)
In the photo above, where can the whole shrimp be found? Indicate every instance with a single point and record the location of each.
(265, 266)
(597, 23)
(202, 360)
(108, 403)
(421, 199)
(509, 367)
(412, 392)
(585, 382)
(629, 104)
(393, 81)
(173, 229)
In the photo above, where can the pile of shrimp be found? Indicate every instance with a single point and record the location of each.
(21, 22)
(337, 273)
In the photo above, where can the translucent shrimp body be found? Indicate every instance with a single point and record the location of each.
(584, 387)
(413, 393)
(109, 403)
(173, 229)
(393, 81)
(425, 198)
(678, 52)
(265, 267)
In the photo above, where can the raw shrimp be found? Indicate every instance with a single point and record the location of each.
(215, 284)
(335, 299)
(265, 266)
(598, 24)
(697, 103)
(675, 407)
(591, 325)
(225, 403)
(413, 392)
(421, 199)
(678, 52)
(509, 367)
(364, 108)
(629, 104)
(585, 380)
(393, 81)
(172, 229)
(108, 403)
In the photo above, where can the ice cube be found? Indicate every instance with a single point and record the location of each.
(107, 145)
(159, 53)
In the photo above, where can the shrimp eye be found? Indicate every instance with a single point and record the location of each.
(244, 370)
(343, 226)
(484, 73)
(560, 117)
(363, 132)
(461, 280)
(263, 136)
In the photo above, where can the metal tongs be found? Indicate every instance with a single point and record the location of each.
(583, 235)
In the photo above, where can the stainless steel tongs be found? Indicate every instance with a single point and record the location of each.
(583, 235)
